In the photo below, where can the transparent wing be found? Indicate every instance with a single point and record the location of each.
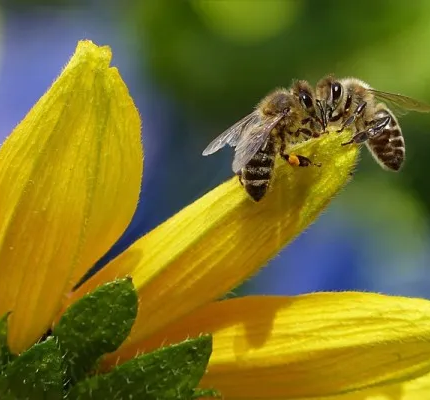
(400, 101)
(231, 135)
(253, 140)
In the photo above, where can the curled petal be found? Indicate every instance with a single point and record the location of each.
(70, 177)
(212, 245)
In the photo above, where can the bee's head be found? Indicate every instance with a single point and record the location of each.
(305, 96)
(329, 94)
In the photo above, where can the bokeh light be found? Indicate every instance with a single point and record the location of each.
(247, 22)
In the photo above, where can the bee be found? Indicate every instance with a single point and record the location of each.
(282, 117)
(350, 102)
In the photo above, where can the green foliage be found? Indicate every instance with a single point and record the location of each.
(64, 365)
(168, 373)
(35, 374)
(5, 354)
(96, 325)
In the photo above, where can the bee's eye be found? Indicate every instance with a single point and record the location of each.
(336, 91)
(306, 100)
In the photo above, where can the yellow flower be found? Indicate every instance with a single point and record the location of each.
(70, 176)
(416, 389)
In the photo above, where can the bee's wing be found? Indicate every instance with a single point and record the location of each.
(253, 140)
(400, 101)
(232, 135)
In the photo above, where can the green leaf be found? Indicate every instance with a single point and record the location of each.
(95, 325)
(35, 374)
(169, 373)
(5, 354)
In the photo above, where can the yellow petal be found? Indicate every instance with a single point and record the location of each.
(212, 245)
(306, 346)
(70, 175)
(416, 389)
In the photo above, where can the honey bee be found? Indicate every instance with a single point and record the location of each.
(350, 102)
(282, 117)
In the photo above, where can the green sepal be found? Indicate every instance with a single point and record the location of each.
(5, 353)
(96, 324)
(171, 372)
(35, 374)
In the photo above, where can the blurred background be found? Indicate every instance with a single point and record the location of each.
(195, 67)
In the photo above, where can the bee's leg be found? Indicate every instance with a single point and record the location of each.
(315, 124)
(305, 132)
(358, 112)
(239, 175)
(377, 126)
(296, 160)
(306, 121)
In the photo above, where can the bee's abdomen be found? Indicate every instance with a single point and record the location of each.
(256, 180)
(389, 147)
(256, 175)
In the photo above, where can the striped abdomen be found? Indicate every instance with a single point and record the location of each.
(256, 175)
(388, 148)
